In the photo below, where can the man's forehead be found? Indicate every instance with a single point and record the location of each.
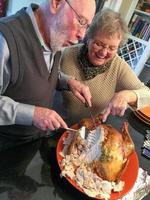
(85, 3)
(85, 6)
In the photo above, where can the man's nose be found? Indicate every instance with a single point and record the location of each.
(80, 34)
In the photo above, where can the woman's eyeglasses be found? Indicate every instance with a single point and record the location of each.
(101, 46)
(82, 21)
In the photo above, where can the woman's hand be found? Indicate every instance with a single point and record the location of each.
(119, 103)
(81, 91)
(45, 119)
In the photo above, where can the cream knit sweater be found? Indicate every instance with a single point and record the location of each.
(119, 77)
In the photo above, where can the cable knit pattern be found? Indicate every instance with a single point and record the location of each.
(103, 86)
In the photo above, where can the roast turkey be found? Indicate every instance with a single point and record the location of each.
(115, 149)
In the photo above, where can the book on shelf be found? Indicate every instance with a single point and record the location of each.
(146, 35)
(144, 30)
(138, 27)
(133, 22)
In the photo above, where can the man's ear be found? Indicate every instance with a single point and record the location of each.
(55, 5)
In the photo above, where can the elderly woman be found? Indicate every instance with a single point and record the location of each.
(96, 63)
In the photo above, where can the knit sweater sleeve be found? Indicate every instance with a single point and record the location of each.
(127, 80)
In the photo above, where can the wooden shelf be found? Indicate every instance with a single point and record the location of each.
(142, 12)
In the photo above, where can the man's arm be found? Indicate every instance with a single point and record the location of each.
(11, 112)
(17, 113)
(80, 90)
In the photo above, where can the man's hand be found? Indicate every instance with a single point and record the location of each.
(45, 119)
(119, 103)
(80, 90)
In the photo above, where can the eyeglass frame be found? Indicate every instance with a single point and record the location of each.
(103, 46)
(82, 21)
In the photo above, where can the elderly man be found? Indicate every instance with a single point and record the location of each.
(30, 42)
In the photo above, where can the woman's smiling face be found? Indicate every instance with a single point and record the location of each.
(102, 48)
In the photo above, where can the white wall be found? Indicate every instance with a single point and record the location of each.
(15, 5)
(113, 4)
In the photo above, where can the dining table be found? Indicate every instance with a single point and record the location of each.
(31, 172)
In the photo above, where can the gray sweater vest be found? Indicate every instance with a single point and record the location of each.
(31, 83)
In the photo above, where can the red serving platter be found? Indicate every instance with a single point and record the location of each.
(145, 111)
(141, 117)
(129, 174)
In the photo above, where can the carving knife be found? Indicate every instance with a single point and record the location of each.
(91, 115)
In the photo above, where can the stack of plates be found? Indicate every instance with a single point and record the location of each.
(143, 114)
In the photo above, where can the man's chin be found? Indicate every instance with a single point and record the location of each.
(67, 44)
(56, 45)
(55, 49)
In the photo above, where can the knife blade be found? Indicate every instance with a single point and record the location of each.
(51, 133)
(91, 115)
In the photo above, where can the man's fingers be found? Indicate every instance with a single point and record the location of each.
(80, 90)
(88, 100)
(62, 123)
(80, 97)
(47, 119)
(87, 96)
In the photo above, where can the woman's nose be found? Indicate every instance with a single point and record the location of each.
(104, 50)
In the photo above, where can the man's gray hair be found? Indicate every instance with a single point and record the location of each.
(109, 22)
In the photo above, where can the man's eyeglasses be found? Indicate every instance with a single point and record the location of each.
(82, 21)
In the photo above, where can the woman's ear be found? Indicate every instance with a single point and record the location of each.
(55, 5)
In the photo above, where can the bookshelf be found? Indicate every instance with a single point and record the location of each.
(137, 49)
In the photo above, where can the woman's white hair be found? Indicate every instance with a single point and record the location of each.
(109, 22)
